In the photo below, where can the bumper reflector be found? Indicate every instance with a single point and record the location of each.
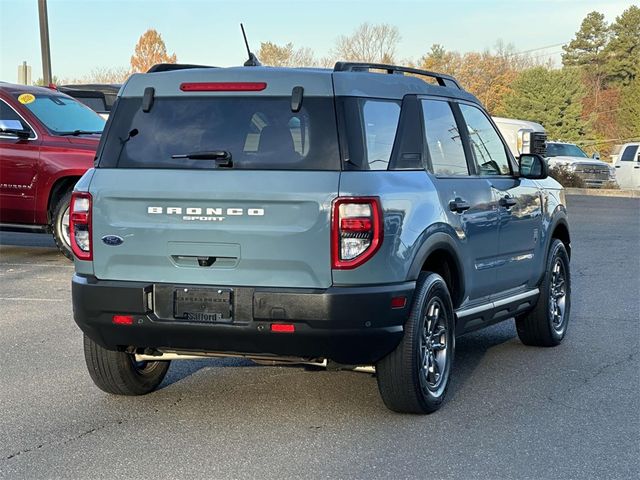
(122, 319)
(398, 302)
(283, 327)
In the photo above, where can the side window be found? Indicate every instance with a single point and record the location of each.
(489, 152)
(629, 153)
(380, 118)
(10, 120)
(443, 139)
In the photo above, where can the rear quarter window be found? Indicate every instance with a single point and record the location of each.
(258, 132)
(370, 126)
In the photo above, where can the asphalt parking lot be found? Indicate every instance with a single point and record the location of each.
(512, 411)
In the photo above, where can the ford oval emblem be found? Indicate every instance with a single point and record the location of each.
(112, 240)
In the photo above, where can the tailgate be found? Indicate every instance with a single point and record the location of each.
(214, 227)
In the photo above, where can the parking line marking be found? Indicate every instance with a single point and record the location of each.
(21, 299)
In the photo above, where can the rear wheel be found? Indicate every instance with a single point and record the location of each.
(119, 372)
(60, 225)
(546, 324)
(415, 376)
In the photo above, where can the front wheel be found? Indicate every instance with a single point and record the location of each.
(119, 373)
(415, 376)
(546, 324)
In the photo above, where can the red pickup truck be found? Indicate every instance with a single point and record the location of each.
(47, 141)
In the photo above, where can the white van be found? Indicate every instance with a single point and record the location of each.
(522, 136)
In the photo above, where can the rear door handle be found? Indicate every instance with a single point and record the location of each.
(459, 205)
(507, 201)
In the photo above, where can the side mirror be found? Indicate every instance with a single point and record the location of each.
(21, 134)
(596, 156)
(533, 166)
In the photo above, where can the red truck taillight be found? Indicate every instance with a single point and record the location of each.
(356, 231)
(80, 225)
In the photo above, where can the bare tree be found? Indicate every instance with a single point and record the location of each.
(368, 43)
(107, 75)
(285, 55)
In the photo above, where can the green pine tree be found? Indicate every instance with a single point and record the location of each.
(550, 97)
(623, 50)
(587, 48)
(629, 116)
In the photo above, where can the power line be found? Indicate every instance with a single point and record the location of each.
(546, 54)
(588, 143)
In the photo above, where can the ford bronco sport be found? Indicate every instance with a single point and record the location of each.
(360, 215)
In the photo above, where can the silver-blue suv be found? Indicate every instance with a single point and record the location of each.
(365, 215)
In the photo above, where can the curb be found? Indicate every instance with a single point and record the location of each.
(603, 192)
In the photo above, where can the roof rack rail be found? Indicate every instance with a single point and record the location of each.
(168, 67)
(442, 79)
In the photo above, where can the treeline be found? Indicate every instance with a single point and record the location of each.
(593, 99)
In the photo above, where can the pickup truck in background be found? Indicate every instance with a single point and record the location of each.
(593, 172)
(97, 96)
(627, 166)
(47, 141)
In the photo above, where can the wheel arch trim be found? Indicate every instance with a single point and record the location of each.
(439, 241)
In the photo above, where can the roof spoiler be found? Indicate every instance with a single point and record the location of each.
(442, 79)
(168, 67)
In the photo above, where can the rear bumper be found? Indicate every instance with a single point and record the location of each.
(350, 325)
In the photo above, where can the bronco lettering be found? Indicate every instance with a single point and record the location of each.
(209, 211)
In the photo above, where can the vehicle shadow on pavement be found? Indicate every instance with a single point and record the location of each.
(470, 352)
(472, 348)
(181, 369)
(30, 248)
(25, 241)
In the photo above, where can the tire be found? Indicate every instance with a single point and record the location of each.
(60, 225)
(119, 374)
(546, 324)
(408, 377)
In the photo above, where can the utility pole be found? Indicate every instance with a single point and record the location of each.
(44, 42)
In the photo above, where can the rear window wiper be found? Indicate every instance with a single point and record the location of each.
(222, 157)
(80, 132)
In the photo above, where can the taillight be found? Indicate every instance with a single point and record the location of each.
(356, 231)
(80, 225)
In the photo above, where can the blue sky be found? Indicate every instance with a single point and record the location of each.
(89, 34)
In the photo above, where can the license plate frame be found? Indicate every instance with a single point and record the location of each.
(203, 305)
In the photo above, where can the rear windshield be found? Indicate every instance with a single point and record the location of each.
(258, 132)
(97, 104)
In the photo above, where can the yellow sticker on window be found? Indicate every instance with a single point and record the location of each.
(26, 98)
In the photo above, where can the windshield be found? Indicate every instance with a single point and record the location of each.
(253, 132)
(63, 115)
(564, 150)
